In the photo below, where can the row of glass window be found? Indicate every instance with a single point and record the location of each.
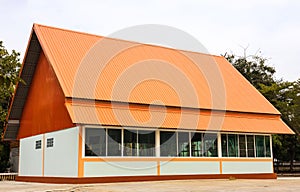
(187, 144)
(234, 145)
(127, 142)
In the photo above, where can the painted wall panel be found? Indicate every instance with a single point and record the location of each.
(190, 167)
(61, 160)
(98, 169)
(30, 158)
(247, 167)
(45, 109)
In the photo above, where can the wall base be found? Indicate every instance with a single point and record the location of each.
(84, 180)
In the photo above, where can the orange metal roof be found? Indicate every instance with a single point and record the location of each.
(142, 116)
(163, 87)
(93, 67)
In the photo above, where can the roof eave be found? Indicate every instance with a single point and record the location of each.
(21, 91)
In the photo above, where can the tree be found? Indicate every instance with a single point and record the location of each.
(253, 68)
(9, 70)
(285, 96)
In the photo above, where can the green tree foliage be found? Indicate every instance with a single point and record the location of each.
(9, 70)
(254, 69)
(285, 96)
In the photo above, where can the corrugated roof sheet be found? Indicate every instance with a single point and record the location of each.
(175, 118)
(93, 67)
(90, 67)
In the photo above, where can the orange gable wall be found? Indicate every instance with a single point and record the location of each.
(45, 109)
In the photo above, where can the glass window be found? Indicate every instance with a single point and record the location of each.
(146, 143)
(130, 143)
(250, 146)
(260, 145)
(224, 145)
(196, 144)
(232, 145)
(108, 142)
(38, 144)
(168, 147)
(114, 142)
(242, 145)
(95, 142)
(183, 144)
(50, 142)
(267, 144)
(210, 145)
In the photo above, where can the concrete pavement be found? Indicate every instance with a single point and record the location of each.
(281, 184)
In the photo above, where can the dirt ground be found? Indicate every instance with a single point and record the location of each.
(281, 184)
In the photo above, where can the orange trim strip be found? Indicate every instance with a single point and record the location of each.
(158, 168)
(126, 159)
(113, 159)
(62, 180)
(80, 161)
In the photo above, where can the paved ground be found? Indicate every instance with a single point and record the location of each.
(281, 184)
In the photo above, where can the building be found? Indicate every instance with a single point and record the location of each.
(97, 109)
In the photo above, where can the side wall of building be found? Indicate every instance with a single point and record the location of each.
(30, 162)
(160, 165)
(61, 154)
(57, 156)
(103, 167)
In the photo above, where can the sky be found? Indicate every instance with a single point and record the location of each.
(270, 28)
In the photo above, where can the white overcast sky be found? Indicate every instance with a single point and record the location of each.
(271, 26)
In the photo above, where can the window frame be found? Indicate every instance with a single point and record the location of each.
(176, 142)
(38, 144)
(189, 144)
(106, 143)
(50, 142)
(254, 145)
(201, 151)
(191, 133)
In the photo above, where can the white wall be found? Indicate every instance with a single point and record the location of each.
(61, 160)
(30, 158)
(247, 167)
(100, 169)
(189, 167)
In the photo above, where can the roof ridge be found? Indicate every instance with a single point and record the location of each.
(67, 30)
(124, 40)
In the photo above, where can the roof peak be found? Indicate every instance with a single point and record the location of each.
(36, 25)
